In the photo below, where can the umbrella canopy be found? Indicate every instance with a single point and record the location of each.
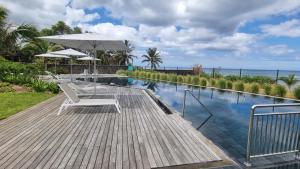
(88, 58)
(50, 55)
(68, 52)
(86, 41)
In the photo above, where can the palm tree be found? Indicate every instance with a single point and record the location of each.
(125, 57)
(153, 58)
(289, 81)
(61, 28)
(11, 37)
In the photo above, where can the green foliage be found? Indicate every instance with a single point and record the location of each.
(172, 78)
(267, 89)
(257, 79)
(221, 84)
(297, 92)
(232, 77)
(204, 75)
(212, 83)
(289, 81)
(196, 80)
(254, 88)
(53, 87)
(279, 91)
(152, 57)
(121, 72)
(203, 82)
(14, 68)
(239, 86)
(19, 79)
(5, 87)
(188, 79)
(180, 79)
(229, 85)
(163, 76)
(39, 86)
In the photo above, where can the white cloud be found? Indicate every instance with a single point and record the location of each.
(280, 50)
(289, 28)
(78, 16)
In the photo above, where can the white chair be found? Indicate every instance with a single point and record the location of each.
(84, 90)
(74, 101)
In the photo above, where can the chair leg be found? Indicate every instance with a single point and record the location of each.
(118, 108)
(60, 109)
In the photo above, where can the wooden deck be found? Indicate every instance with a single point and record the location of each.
(141, 137)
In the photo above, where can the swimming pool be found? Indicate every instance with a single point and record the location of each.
(228, 127)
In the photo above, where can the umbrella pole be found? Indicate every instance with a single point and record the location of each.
(71, 69)
(95, 53)
(55, 65)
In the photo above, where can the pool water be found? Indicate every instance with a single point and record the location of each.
(228, 127)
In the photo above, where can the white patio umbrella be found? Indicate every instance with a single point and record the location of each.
(88, 58)
(50, 55)
(70, 53)
(88, 41)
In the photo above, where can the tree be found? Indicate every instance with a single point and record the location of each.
(125, 57)
(153, 58)
(61, 28)
(76, 30)
(289, 81)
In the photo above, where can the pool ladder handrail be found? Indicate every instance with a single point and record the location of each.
(251, 125)
(184, 105)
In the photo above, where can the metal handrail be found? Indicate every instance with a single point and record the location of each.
(184, 103)
(267, 115)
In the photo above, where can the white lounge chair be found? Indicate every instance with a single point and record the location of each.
(74, 101)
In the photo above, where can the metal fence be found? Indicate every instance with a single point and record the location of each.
(273, 133)
(79, 68)
(274, 74)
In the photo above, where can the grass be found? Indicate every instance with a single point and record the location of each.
(12, 103)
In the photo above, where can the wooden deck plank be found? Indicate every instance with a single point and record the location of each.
(141, 137)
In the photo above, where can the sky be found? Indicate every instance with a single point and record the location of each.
(214, 33)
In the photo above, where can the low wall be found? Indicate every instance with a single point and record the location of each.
(79, 68)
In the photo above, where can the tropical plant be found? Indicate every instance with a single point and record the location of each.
(221, 84)
(289, 81)
(239, 86)
(152, 58)
(61, 28)
(254, 88)
(229, 85)
(196, 80)
(267, 89)
(212, 82)
(126, 57)
(203, 82)
(297, 92)
(279, 91)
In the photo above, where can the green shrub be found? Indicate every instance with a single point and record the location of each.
(232, 77)
(203, 82)
(221, 84)
(279, 91)
(157, 76)
(212, 82)
(153, 76)
(180, 79)
(297, 92)
(163, 76)
(188, 79)
(267, 89)
(5, 87)
(121, 72)
(229, 85)
(205, 75)
(254, 88)
(173, 78)
(39, 86)
(53, 87)
(239, 86)
(196, 80)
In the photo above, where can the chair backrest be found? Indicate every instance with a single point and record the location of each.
(71, 94)
(85, 71)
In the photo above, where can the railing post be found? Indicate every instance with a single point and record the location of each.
(213, 72)
(184, 98)
(247, 162)
(277, 74)
(240, 73)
